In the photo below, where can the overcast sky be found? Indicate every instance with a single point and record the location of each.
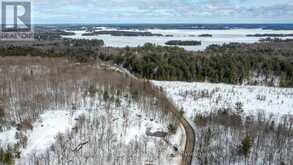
(163, 11)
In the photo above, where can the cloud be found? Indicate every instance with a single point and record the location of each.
(109, 11)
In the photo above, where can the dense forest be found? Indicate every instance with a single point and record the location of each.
(223, 135)
(74, 49)
(269, 62)
(264, 63)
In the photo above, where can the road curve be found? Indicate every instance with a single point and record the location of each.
(189, 131)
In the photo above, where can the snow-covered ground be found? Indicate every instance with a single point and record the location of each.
(60, 115)
(219, 136)
(8, 138)
(205, 97)
(128, 125)
(45, 131)
(219, 37)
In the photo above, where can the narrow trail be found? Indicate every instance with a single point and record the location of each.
(187, 155)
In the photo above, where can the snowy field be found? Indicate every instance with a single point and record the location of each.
(262, 108)
(219, 37)
(205, 97)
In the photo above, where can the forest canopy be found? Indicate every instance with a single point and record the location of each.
(267, 63)
(231, 63)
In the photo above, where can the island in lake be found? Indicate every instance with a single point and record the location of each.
(121, 33)
(269, 35)
(183, 43)
(169, 35)
(205, 35)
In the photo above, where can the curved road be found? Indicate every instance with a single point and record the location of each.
(189, 131)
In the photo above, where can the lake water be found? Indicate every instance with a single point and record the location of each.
(219, 37)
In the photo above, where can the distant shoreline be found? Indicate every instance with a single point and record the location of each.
(211, 26)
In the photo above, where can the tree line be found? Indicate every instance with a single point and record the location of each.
(269, 62)
(231, 63)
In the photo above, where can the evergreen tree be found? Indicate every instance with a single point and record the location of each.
(246, 145)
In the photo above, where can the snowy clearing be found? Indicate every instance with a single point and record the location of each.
(45, 130)
(205, 97)
(266, 118)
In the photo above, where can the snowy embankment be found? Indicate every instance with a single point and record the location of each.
(206, 97)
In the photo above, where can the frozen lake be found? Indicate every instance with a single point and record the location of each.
(219, 37)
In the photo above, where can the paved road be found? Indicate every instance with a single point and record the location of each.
(189, 131)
